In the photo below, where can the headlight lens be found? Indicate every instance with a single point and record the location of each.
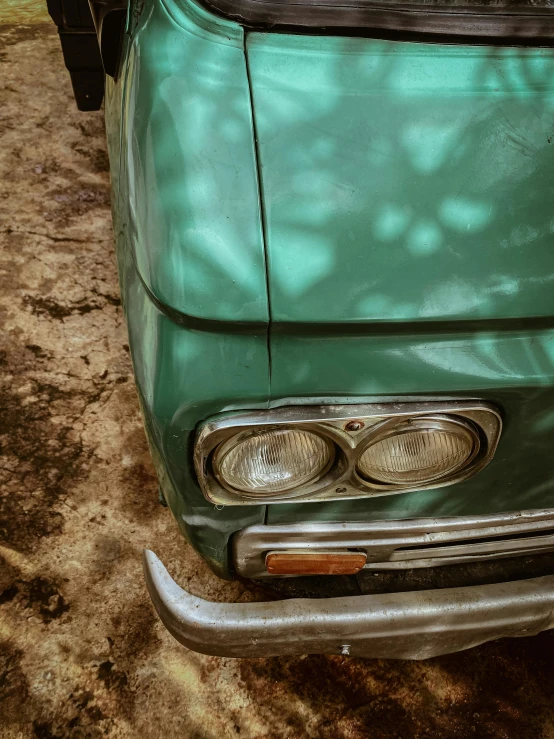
(273, 461)
(418, 452)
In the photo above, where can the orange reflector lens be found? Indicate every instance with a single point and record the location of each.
(314, 563)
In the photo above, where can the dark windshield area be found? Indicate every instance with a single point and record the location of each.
(500, 22)
(512, 5)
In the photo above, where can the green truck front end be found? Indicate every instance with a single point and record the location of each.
(327, 220)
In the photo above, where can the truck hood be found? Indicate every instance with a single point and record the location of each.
(404, 182)
(409, 236)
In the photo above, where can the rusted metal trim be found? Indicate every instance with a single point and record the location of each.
(333, 422)
(414, 625)
(402, 544)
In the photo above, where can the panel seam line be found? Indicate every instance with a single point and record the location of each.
(261, 205)
(261, 202)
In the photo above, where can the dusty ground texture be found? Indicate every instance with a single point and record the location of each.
(81, 653)
(23, 11)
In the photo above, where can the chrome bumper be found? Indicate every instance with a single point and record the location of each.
(414, 625)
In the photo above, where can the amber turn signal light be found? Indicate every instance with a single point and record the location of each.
(314, 563)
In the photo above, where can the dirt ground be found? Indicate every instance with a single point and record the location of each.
(82, 653)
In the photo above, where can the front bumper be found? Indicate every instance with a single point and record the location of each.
(414, 625)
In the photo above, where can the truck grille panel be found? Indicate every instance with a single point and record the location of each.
(405, 544)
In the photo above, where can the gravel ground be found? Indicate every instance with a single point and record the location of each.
(82, 653)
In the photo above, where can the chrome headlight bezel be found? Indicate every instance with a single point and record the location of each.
(351, 429)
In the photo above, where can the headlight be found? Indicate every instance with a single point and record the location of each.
(333, 452)
(261, 463)
(419, 451)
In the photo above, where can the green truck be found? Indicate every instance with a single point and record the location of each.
(334, 225)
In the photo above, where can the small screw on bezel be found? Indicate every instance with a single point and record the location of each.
(354, 426)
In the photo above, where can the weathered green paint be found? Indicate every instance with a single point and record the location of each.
(408, 183)
(401, 183)
(404, 181)
(184, 376)
(514, 370)
(188, 231)
(194, 222)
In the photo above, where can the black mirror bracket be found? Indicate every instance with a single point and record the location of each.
(81, 51)
(110, 18)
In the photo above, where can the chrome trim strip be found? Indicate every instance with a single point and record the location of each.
(342, 481)
(415, 564)
(394, 544)
(414, 625)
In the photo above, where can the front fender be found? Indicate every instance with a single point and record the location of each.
(189, 176)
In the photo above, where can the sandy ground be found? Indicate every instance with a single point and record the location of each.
(82, 653)
(23, 11)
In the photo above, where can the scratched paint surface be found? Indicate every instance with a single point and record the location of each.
(81, 652)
